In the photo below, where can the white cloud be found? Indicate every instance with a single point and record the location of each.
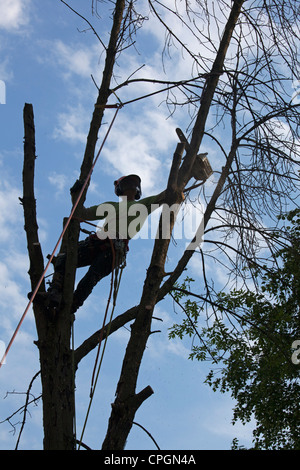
(10, 212)
(6, 73)
(18, 263)
(219, 422)
(72, 125)
(14, 283)
(74, 59)
(14, 264)
(14, 14)
(59, 181)
(12, 300)
(141, 145)
(176, 56)
(159, 346)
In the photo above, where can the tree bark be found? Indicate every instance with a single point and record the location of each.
(53, 334)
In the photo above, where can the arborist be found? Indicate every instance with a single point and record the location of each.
(96, 250)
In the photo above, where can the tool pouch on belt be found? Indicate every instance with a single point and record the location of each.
(95, 245)
(90, 248)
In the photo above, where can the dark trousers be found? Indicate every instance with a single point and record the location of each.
(98, 255)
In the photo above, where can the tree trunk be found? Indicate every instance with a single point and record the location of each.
(58, 387)
(53, 333)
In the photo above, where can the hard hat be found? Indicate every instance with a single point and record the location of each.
(124, 182)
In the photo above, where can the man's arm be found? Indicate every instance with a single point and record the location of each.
(153, 202)
(89, 213)
(161, 198)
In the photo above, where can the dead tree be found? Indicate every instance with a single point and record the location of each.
(231, 90)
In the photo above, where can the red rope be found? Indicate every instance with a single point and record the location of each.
(106, 311)
(58, 242)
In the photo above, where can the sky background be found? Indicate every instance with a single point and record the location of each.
(47, 58)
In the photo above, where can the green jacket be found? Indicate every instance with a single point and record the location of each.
(122, 219)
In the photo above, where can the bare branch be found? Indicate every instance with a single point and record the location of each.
(92, 342)
(147, 432)
(87, 21)
(26, 408)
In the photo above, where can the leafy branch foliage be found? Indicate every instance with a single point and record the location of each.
(250, 335)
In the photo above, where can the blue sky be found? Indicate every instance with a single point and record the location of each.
(46, 58)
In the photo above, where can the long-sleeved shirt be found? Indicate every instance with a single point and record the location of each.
(122, 219)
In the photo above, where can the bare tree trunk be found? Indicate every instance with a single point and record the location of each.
(53, 333)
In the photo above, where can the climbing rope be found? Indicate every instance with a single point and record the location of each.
(106, 310)
(117, 106)
(116, 282)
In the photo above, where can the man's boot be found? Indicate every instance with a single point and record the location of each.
(40, 297)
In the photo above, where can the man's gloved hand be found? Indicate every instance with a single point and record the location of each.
(77, 186)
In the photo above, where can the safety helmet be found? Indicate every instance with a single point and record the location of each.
(125, 181)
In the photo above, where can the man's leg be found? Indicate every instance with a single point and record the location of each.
(100, 267)
(54, 294)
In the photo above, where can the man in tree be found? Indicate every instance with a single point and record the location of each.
(105, 250)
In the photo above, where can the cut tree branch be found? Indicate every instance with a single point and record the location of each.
(28, 200)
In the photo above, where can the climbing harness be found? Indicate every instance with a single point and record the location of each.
(117, 106)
